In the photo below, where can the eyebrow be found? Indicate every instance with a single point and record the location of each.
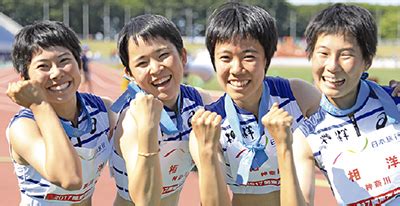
(343, 49)
(157, 51)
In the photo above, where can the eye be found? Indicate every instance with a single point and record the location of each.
(164, 55)
(224, 58)
(322, 54)
(346, 55)
(249, 57)
(43, 67)
(64, 61)
(142, 64)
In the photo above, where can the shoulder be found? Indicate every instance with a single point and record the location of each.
(279, 87)
(191, 93)
(310, 124)
(95, 101)
(307, 96)
(218, 106)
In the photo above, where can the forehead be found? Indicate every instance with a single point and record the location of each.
(337, 39)
(43, 53)
(239, 42)
(138, 43)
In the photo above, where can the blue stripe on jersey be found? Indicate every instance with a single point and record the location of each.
(301, 117)
(191, 93)
(119, 171)
(284, 103)
(121, 188)
(180, 135)
(94, 101)
(218, 106)
(93, 137)
(317, 153)
(36, 196)
(33, 181)
(280, 87)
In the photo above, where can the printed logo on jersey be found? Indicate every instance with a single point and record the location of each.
(382, 119)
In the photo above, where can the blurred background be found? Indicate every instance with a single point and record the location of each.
(97, 23)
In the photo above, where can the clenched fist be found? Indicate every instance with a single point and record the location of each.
(206, 126)
(278, 122)
(26, 93)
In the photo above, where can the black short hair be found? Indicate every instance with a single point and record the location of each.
(147, 27)
(42, 35)
(233, 19)
(347, 20)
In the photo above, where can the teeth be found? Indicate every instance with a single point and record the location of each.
(333, 80)
(161, 81)
(59, 87)
(239, 83)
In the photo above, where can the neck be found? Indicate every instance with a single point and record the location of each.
(68, 110)
(172, 104)
(345, 102)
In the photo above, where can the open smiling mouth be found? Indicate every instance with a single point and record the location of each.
(60, 87)
(239, 84)
(334, 81)
(162, 81)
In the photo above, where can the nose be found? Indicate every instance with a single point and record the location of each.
(155, 67)
(55, 72)
(332, 64)
(236, 66)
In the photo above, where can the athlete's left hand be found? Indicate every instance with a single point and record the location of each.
(396, 85)
(278, 122)
(206, 126)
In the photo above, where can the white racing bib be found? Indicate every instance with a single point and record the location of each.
(367, 170)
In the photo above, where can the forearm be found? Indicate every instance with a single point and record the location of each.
(213, 190)
(145, 181)
(62, 163)
(291, 194)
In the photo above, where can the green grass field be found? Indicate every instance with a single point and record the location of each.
(382, 75)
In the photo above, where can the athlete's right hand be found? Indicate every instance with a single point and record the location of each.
(26, 93)
(146, 111)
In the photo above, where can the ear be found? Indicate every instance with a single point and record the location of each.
(368, 63)
(184, 56)
(128, 72)
(21, 76)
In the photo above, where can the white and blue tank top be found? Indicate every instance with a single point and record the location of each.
(93, 148)
(358, 152)
(265, 178)
(175, 159)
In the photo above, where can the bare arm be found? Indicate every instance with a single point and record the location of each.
(209, 96)
(278, 123)
(307, 96)
(139, 148)
(112, 117)
(46, 148)
(205, 150)
(305, 166)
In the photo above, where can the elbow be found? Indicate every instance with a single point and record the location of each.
(73, 183)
